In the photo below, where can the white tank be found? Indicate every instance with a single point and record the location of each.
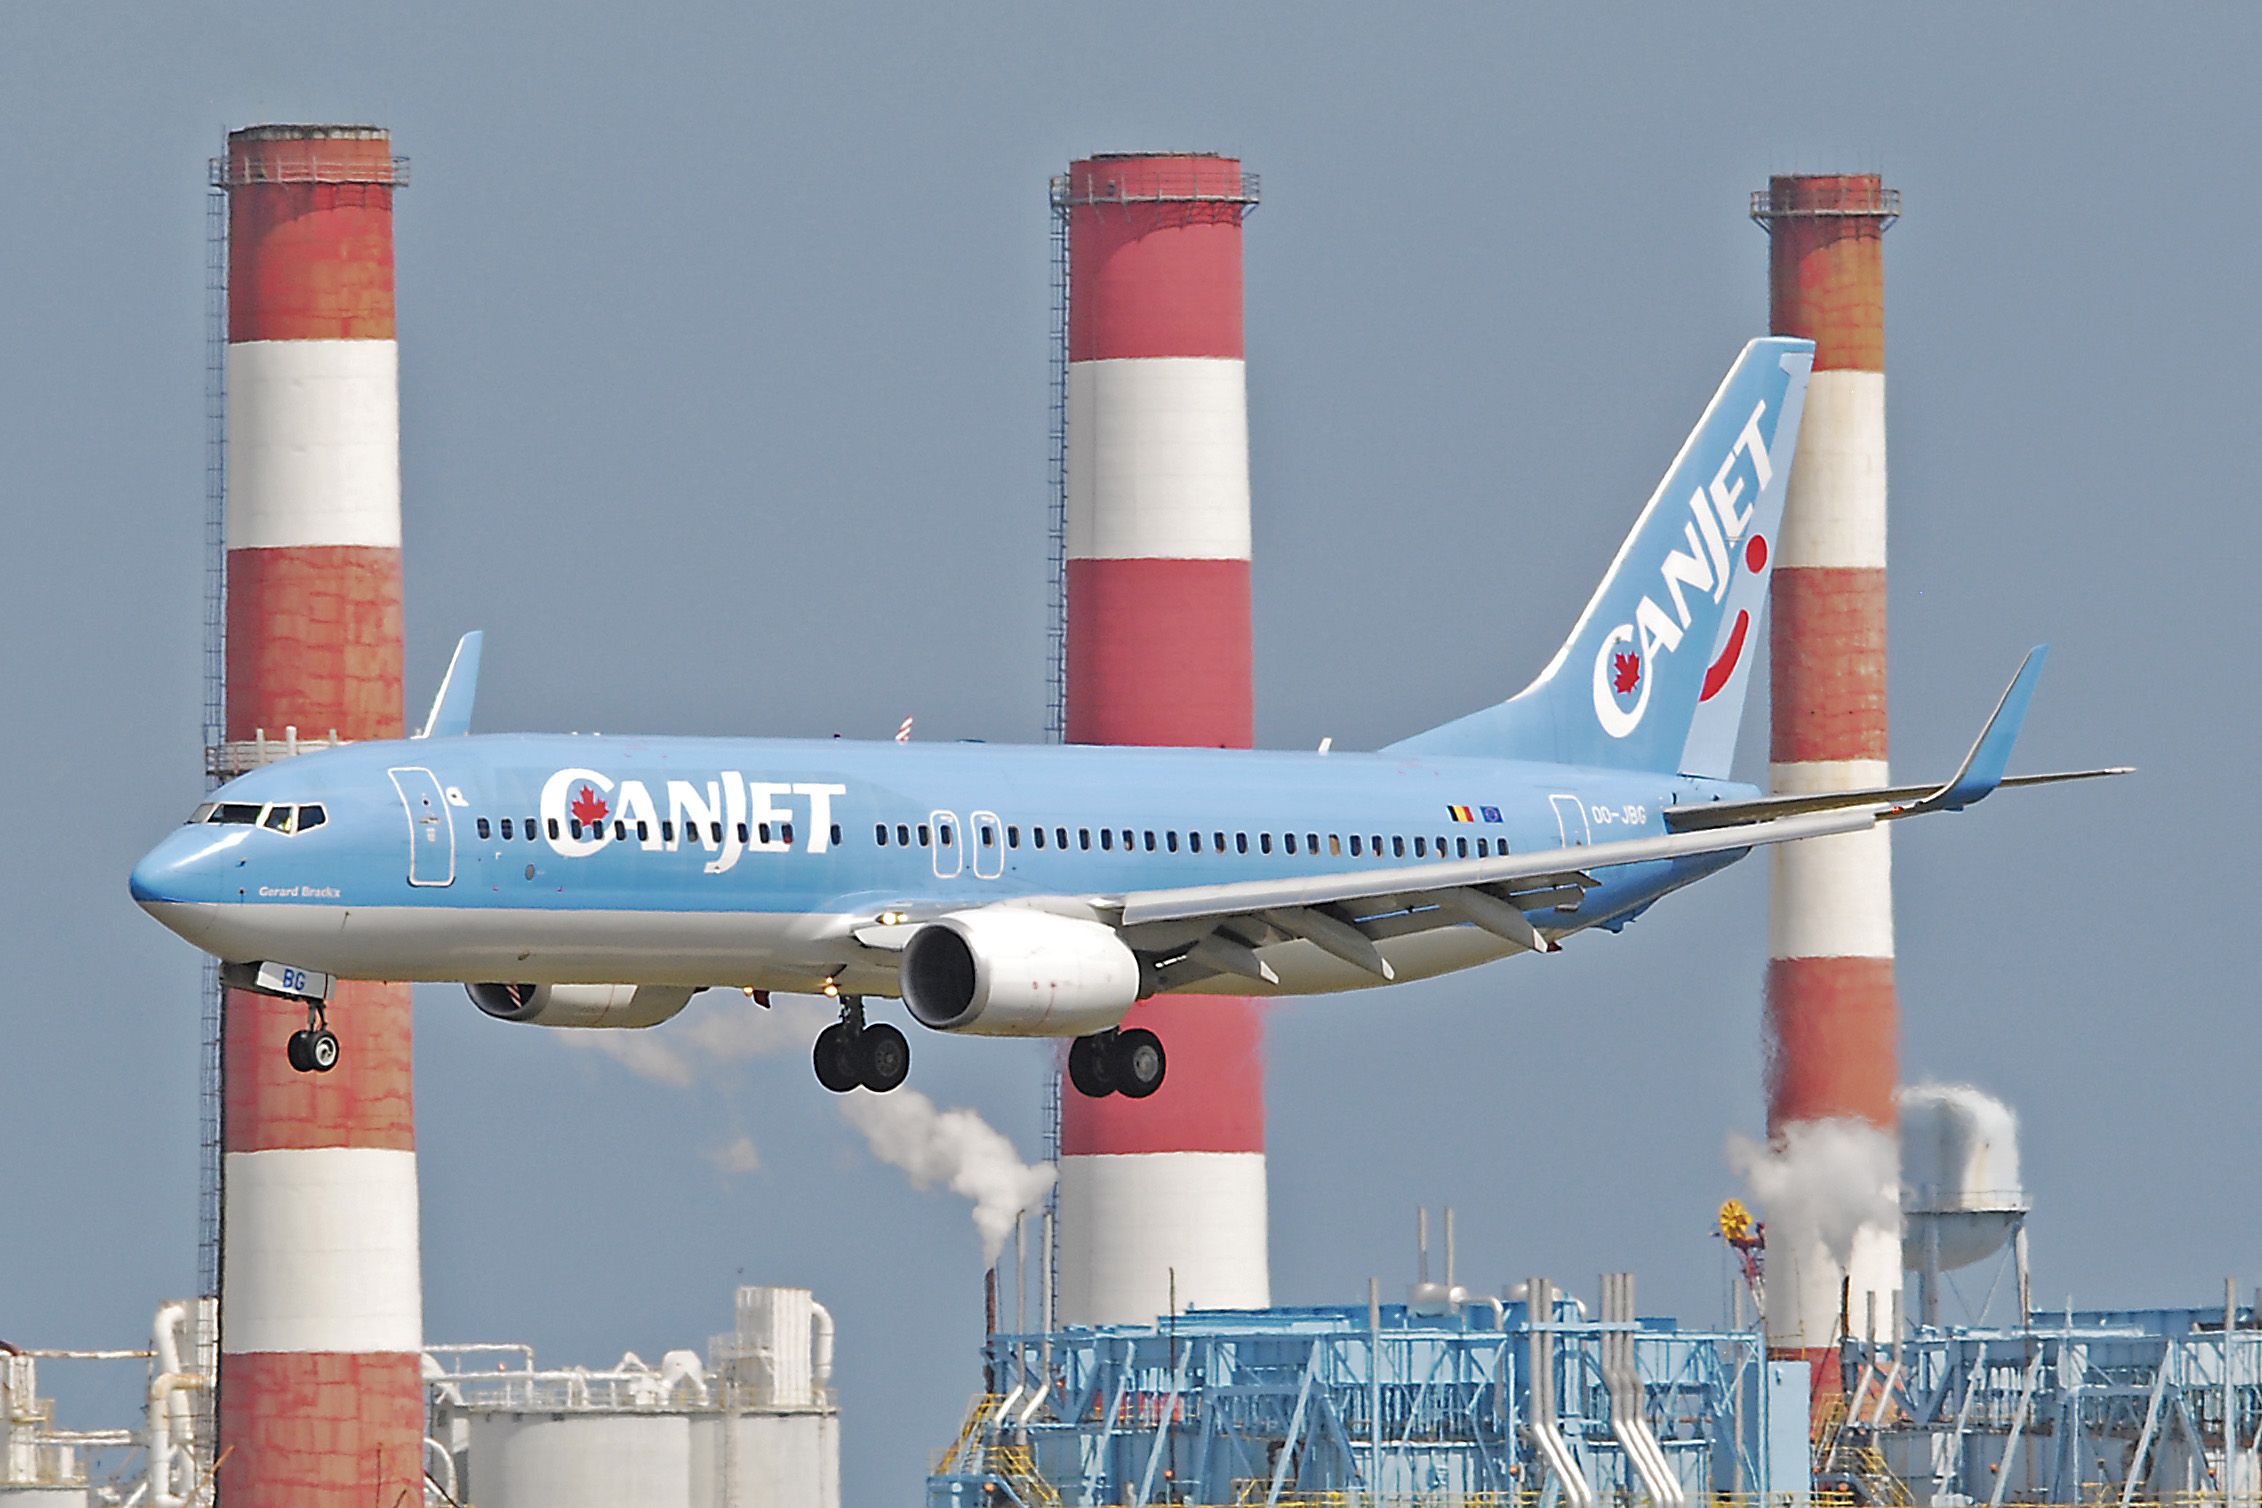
(582, 1459)
(43, 1497)
(1961, 1196)
(766, 1460)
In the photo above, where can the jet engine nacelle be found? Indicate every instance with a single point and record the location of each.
(1015, 973)
(603, 1005)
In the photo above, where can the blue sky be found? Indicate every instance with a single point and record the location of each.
(724, 342)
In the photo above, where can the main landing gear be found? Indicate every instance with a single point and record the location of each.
(1129, 1063)
(851, 1054)
(314, 1050)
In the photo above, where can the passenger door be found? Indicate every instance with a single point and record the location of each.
(431, 827)
(989, 845)
(1571, 821)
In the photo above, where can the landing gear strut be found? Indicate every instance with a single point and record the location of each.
(851, 1054)
(314, 1050)
(1130, 1063)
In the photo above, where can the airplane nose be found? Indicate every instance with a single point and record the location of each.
(180, 870)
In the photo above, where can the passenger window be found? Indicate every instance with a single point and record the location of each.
(1013, 835)
(1037, 835)
(1484, 848)
(1461, 847)
(527, 827)
(1354, 845)
(1150, 840)
(506, 828)
(1084, 839)
(1194, 842)
(1334, 846)
(1311, 844)
(1240, 842)
(989, 835)
(1264, 842)
(1376, 850)
(880, 834)
(643, 832)
(715, 833)
(483, 832)
(1107, 839)
(1170, 840)
(667, 830)
(311, 817)
(1441, 845)
(834, 834)
(1421, 848)
(1127, 844)
(1060, 837)
(785, 834)
(1291, 842)
(924, 836)
(576, 828)
(620, 830)
(762, 831)
(903, 835)
(1398, 848)
(1220, 837)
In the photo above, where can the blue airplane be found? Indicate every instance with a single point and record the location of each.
(587, 881)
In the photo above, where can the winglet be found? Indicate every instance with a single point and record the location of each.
(1983, 767)
(451, 708)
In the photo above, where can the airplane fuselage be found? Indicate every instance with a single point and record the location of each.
(700, 862)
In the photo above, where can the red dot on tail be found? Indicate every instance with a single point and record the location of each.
(1755, 554)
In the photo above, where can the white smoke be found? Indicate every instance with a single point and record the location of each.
(956, 1148)
(721, 1026)
(1958, 1143)
(1821, 1183)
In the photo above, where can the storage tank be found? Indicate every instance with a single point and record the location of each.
(586, 1458)
(1961, 1198)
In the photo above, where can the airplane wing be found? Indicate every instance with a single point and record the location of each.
(1201, 931)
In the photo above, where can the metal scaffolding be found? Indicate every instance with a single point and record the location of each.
(1464, 1404)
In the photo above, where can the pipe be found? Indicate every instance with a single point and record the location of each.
(436, 1451)
(680, 1367)
(820, 1347)
(161, 1390)
(166, 1331)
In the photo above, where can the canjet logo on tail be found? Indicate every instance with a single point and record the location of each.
(729, 816)
(1625, 663)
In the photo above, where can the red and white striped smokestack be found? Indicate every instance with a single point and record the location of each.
(1162, 1197)
(1833, 1029)
(321, 1400)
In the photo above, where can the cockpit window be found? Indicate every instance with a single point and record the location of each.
(281, 817)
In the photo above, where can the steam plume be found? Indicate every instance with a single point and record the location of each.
(722, 1026)
(956, 1148)
(1822, 1182)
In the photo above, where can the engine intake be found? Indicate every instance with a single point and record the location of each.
(589, 1005)
(1015, 973)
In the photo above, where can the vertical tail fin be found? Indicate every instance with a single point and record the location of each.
(1653, 676)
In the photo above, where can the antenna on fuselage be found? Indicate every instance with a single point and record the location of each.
(451, 707)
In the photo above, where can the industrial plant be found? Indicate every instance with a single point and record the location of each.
(1134, 1354)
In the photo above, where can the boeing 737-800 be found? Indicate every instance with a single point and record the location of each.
(587, 881)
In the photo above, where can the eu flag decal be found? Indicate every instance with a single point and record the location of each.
(1490, 813)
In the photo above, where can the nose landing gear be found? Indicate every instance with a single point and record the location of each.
(314, 1050)
(1130, 1063)
(850, 1054)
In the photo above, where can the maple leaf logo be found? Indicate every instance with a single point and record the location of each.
(1626, 673)
(589, 808)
